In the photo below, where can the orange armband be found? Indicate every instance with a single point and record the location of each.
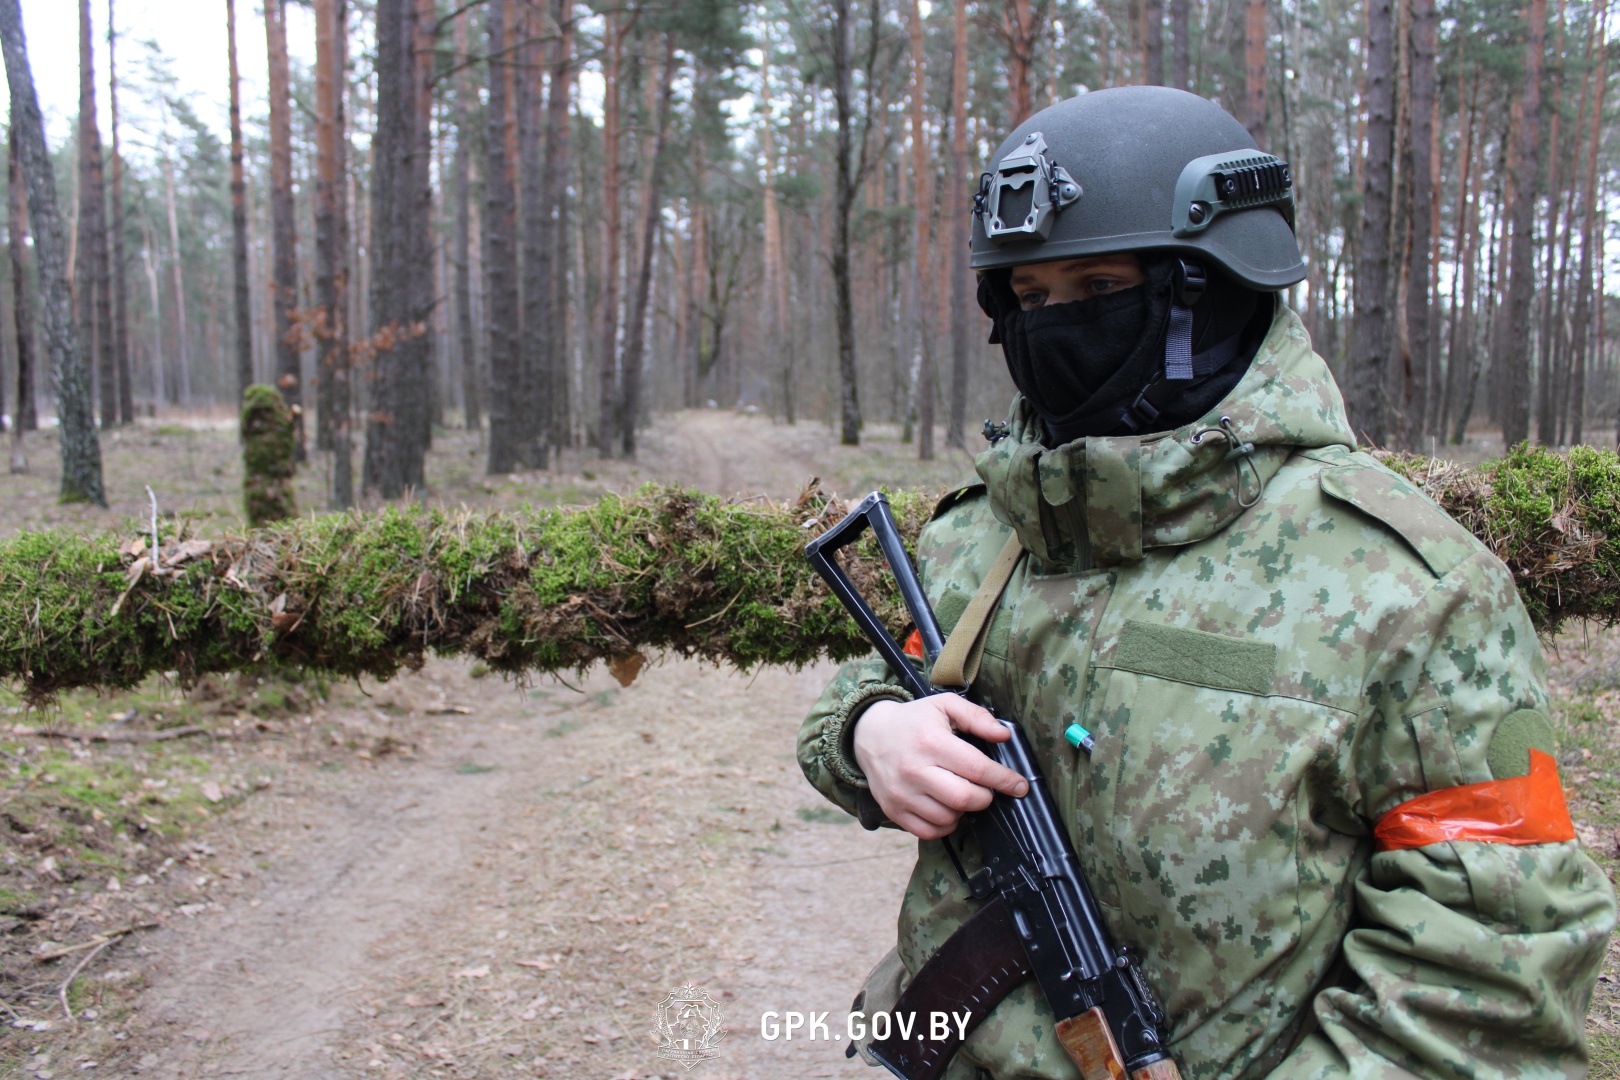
(1526, 809)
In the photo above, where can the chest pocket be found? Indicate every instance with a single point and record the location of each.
(1192, 806)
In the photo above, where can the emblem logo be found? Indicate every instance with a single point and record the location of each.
(688, 1026)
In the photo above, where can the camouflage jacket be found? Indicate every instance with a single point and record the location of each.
(1264, 682)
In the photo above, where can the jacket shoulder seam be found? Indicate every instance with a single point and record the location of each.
(1397, 504)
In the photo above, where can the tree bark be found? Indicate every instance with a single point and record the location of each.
(1021, 25)
(1521, 256)
(239, 226)
(397, 427)
(1367, 400)
(961, 282)
(283, 220)
(332, 244)
(26, 418)
(1153, 42)
(1460, 344)
(535, 277)
(81, 449)
(1550, 379)
(1591, 238)
(612, 227)
(849, 393)
(1254, 70)
(652, 218)
(120, 290)
(559, 138)
(1180, 28)
(94, 269)
(1420, 208)
(466, 339)
(922, 174)
(500, 251)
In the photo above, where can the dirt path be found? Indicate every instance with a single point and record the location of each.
(514, 898)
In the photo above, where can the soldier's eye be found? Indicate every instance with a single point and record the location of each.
(1104, 285)
(1031, 299)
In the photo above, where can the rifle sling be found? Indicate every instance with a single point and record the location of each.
(958, 662)
(975, 968)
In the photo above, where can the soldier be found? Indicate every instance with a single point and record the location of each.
(1313, 700)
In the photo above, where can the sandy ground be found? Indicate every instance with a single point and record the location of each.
(514, 892)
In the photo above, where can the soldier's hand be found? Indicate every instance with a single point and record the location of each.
(921, 774)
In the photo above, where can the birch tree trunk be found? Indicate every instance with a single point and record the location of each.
(81, 449)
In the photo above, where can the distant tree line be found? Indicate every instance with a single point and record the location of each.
(548, 219)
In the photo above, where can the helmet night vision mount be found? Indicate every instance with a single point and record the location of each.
(1027, 188)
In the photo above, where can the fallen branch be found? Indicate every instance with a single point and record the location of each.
(110, 736)
(99, 939)
(665, 571)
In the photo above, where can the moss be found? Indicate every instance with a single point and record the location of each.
(269, 445)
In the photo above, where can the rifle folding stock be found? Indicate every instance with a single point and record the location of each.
(1039, 917)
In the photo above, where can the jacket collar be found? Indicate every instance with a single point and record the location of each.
(1108, 500)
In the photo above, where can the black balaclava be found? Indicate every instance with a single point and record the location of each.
(1081, 364)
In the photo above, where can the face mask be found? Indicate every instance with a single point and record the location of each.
(1083, 360)
(1079, 364)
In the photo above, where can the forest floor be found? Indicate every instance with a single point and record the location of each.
(448, 875)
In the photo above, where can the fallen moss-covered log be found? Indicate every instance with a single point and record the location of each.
(666, 571)
(663, 571)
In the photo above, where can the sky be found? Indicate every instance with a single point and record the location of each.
(189, 33)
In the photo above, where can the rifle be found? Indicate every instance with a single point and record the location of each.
(1039, 917)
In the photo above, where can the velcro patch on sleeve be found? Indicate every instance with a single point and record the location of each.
(1515, 736)
(1196, 657)
(1440, 542)
(1527, 809)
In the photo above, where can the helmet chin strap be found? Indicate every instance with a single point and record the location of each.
(1181, 366)
(1189, 286)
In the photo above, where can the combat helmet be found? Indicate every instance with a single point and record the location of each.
(1138, 168)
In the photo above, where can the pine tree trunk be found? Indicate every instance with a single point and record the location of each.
(1521, 256)
(1550, 380)
(466, 339)
(607, 359)
(849, 394)
(922, 200)
(559, 137)
(1459, 346)
(120, 292)
(27, 417)
(1420, 208)
(283, 220)
(397, 429)
(535, 255)
(239, 226)
(1153, 42)
(1591, 238)
(332, 243)
(94, 269)
(1367, 399)
(652, 217)
(1180, 28)
(961, 280)
(500, 251)
(1254, 70)
(1019, 28)
(81, 449)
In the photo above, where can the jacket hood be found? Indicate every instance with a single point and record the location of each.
(1106, 500)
